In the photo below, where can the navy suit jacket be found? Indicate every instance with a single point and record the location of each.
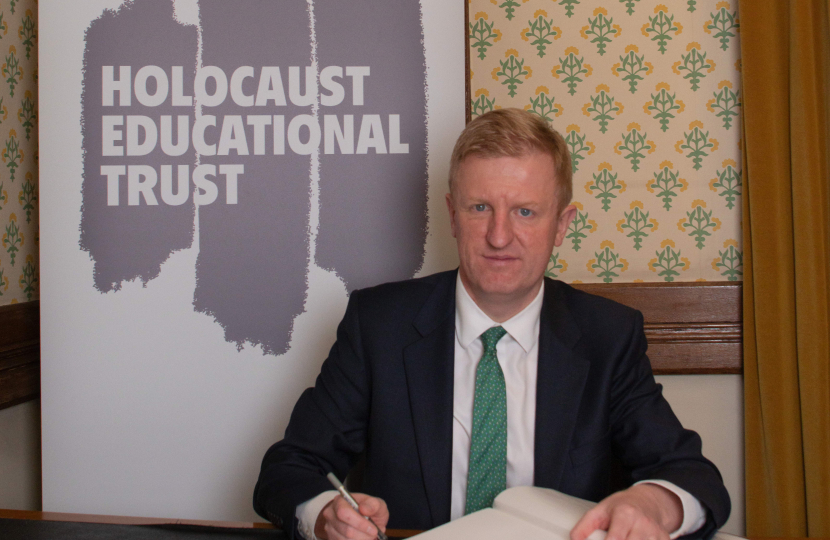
(386, 391)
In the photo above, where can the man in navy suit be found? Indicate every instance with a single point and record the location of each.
(583, 413)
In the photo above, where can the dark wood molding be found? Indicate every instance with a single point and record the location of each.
(692, 328)
(19, 353)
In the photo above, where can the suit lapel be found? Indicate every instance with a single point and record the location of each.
(429, 373)
(560, 382)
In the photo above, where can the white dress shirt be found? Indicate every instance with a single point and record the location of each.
(518, 356)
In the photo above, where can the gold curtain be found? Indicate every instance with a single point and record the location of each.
(785, 49)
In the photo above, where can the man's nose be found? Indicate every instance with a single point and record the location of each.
(500, 231)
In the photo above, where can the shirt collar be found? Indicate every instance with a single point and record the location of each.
(471, 321)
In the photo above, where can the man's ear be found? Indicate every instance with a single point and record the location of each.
(451, 208)
(565, 218)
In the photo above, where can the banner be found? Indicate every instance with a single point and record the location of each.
(216, 177)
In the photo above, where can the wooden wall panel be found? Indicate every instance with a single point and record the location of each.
(19, 353)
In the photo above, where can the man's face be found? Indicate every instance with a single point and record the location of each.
(504, 217)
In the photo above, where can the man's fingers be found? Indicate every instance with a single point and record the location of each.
(373, 507)
(621, 523)
(595, 518)
(341, 521)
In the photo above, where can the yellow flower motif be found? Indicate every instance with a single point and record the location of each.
(585, 109)
(633, 125)
(590, 70)
(14, 301)
(667, 242)
(714, 143)
(706, 26)
(12, 49)
(720, 5)
(527, 107)
(572, 50)
(630, 48)
(712, 183)
(588, 189)
(591, 151)
(621, 108)
(12, 133)
(28, 93)
(651, 264)
(646, 106)
(724, 83)
(481, 15)
(636, 204)
(698, 202)
(681, 105)
(584, 32)
(495, 74)
(540, 89)
(594, 226)
(481, 91)
(529, 72)
(644, 30)
(653, 222)
(616, 66)
(494, 2)
(618, 29)
(523, 34)
(564, 264)
(606, 244)
(662, 85)
(717, 224)
(653, 146)
(590, 265)
(715, 262)
(617, 148)
(648, 186)
(677, 146)
(602, 87)
(683, 184)
(675, 66)
(578, 205)
(728, 162)
(692, 45)
(711, 66)
(679, 28)
(555, 70)
(650, 67)
(660, 7)
(572, 127)
(731, 242)
(12, 217)
(498, 35)
(510, 52)
(738, 65)
(471, 74)
(558, 32)
(622, 186)
(600, 10)
(577, 280)
(619, 226)
(541, 12)
(625, 265)
(680, 225)
(686, 265)
(696, 124)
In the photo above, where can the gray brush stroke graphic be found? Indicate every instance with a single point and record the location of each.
(128, 242)
(253, 256)
(373, 208)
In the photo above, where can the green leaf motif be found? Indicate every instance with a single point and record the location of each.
(480, 35)
(699, 221)
(728, 183)
(693, 65)
(723, 24)
(637, 223)
(691, 4)
(661, 25)
(11, 69)
(633, 67)
(26, 114)
(629, 4)
(544, 106)
(633, 146)
(726, 104)
(571, 67)
(578, 146)
(602, 29)
(481, 104)
(4, 27)
(696, 142)
(663, 105)
(28, 278)
(730, 262)
(540, 30)
(12, 240)
(605, 185)
(27, 197)
(579, 226)
(11, 155)
(569, 6)
(4, 196)
(554, 266)
(509, 8)
(666, 184)
(511, 70)
(602, 105)
(26, 33)
(608, 262)
(668, 262)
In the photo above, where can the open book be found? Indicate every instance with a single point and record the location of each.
(524, 512)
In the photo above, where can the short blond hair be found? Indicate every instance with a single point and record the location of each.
(515, 133)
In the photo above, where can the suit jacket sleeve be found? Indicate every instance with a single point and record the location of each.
(326, 431)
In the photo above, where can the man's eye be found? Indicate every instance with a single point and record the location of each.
(524, 212)
(480, 207)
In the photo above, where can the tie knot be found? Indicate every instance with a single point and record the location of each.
(491, 337)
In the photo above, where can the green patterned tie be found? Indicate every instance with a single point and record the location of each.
(487, 475)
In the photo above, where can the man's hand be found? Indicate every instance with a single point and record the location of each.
(338, 520)
(641, 512)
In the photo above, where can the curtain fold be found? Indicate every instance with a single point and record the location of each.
(785, 49)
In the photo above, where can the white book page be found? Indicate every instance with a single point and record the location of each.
(489, 524)
(546, 508)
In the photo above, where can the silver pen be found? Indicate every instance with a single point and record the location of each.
(353, 503)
